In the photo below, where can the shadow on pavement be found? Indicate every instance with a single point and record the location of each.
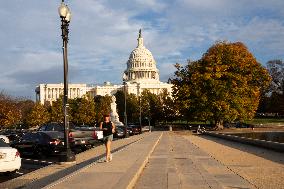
(40, 183)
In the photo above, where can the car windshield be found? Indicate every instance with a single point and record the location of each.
(3, 144)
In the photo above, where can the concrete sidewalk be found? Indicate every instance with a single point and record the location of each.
(161, 160)
(177, 163)
(156, 160)
(122, 172)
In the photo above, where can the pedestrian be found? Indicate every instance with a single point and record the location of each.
(108, 129)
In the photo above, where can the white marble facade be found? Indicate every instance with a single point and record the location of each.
(141, 73)
(50, 92)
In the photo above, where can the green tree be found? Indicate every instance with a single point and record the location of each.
(132, 108)
(56, 111)
(151, 106)
(102, 106)
(169, 109)
(119, 95)
(37, 116)
(83, 111)
(224, 85)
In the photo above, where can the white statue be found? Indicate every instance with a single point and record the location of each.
(114, 115)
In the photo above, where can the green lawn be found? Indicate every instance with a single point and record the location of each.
(265, 121)
(254, 121)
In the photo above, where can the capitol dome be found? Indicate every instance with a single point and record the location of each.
(141, 65)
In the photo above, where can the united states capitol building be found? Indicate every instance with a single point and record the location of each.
(141, 74)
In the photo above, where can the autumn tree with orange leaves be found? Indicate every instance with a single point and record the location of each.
(224, 85)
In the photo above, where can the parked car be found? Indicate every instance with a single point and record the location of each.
(10, 160)
(83, 136)
(13, 134)
(120, 132)
(54, 126)
(40, 144)
(135, 129)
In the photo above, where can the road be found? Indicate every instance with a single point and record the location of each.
(30, 164)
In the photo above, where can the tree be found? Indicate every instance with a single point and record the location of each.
(276, 88)
(119, 95)
(56, 111)
(224, 85)
(102, 106)
(151, 106)
(169, 109)
(37, 116)
(25, 106)
(10, 115)
(83, 111)
(132, 110)
(276, 71)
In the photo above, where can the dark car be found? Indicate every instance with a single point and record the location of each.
(13, 134)
(80, 137)
(134, 129)
(120, 132)
(54, 126)
(41, 143)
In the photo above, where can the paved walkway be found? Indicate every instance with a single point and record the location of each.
(262, 167)
(122, 172)
(55, 172)
(177, 163)
(159, 160)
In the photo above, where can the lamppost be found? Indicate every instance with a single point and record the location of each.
(65, 15)
(125, 115)
(140, 111)
(150, 129)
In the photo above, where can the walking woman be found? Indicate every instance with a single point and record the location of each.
(108, 129)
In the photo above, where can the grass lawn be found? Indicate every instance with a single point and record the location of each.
(266, 121)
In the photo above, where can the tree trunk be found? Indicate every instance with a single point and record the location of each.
(219, 125)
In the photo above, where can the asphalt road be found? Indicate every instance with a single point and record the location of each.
(30, 164)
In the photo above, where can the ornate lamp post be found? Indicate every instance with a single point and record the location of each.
(125, 115)
(65, 15)
(140, 112)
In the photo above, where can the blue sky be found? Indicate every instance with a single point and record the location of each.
(104, 32)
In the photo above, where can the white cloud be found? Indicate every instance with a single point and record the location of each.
(103, 33)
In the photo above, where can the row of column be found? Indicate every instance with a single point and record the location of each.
(141, 64)
(54, 93)
(142, 75)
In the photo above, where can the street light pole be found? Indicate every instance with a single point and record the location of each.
(125, 114)
(140, 113)
(65, 15)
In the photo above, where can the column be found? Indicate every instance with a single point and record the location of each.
(45, 94)
(52, 93)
